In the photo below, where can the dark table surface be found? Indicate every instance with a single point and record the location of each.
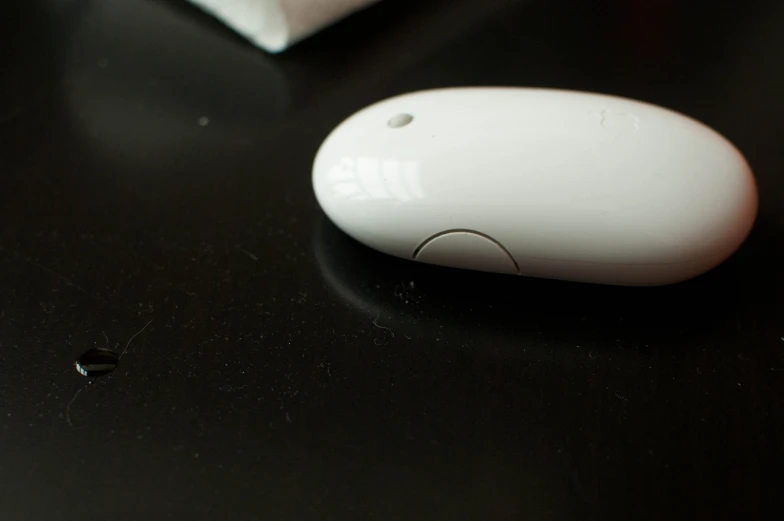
(155, 187)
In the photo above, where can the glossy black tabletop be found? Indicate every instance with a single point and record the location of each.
(156, 200)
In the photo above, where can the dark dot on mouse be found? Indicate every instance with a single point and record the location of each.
(96, 362)
(401, 120)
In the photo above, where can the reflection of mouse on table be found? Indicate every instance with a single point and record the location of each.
(545, 183)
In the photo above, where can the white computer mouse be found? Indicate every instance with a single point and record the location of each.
(537, 182)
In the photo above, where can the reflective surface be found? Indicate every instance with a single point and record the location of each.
(365, 178)
(289, 373)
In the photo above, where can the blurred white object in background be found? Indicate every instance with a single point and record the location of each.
(275, 25)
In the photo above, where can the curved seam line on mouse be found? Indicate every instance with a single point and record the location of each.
(465, 230)
(555, 259)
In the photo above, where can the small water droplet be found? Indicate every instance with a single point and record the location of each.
(96, 362)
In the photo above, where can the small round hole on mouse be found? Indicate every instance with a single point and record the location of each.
(401, 120)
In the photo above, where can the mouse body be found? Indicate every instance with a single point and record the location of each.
(545, 183)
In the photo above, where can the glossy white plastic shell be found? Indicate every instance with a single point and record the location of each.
(545, 183)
